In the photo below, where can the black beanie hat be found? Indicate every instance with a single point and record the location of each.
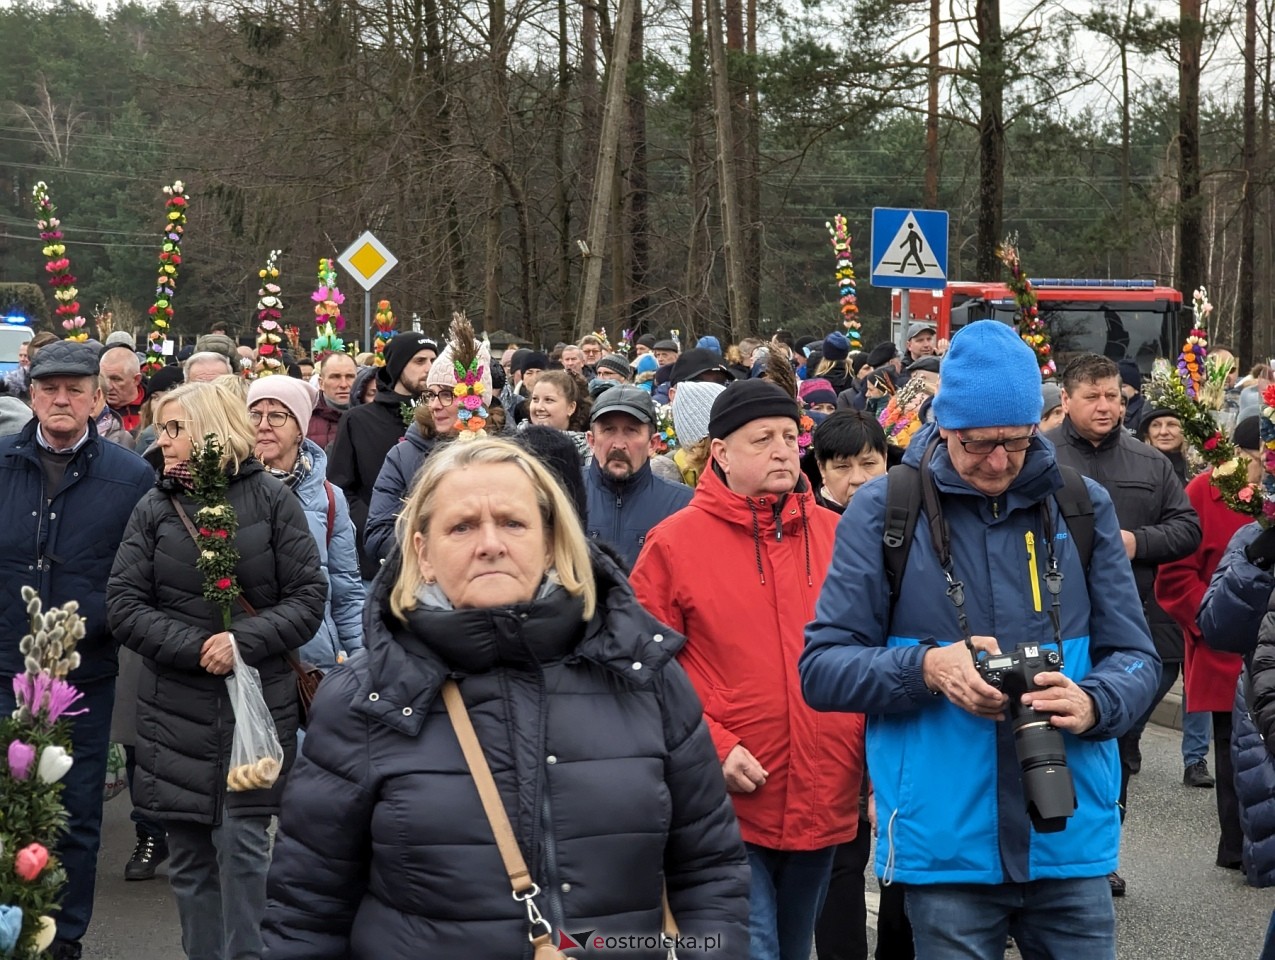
(1247, 435)
(647, 340)
(882, 354)
(399, 352)
(1155, 413)
(534, 360)
(557, 451)
(747, 400)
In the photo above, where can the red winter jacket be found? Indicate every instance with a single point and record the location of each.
(1208, 675)
(742, 592)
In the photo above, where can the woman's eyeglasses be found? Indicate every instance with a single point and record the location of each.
(276, 418)
(173, 428)
(444, 397)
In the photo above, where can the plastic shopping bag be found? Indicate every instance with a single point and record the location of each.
(116, 775)
(256, 758)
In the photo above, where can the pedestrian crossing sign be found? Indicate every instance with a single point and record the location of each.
(909, 248)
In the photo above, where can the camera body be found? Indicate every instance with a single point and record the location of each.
(1042, 755)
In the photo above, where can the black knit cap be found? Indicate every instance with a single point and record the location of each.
(1248, 433)
(400, 350)
(744, 401)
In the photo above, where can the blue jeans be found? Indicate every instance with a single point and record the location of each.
(784, 900)
(1197, 731)
(1048, 919)
(218, 875)
(82, 797)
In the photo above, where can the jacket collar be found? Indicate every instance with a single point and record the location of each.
(1075, 439)
(407, 663)
(28, 446)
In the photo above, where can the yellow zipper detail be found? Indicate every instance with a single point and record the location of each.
(1031, 568)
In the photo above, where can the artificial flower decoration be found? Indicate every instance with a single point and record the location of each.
(38, 753)
(327, 312)
(665, 437)
(215, 525)
(170, 258)
(1267, 434)
(626, 343)
(104, 320)
(469, 362)
(21, 756)
(1030, 327)
(384, 321)
(901, 417)
(269, 319)
(846, 285)
(58, 265)
(601, 334)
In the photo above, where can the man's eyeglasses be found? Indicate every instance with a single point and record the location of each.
(444, 397)
(276, 418)
(981, 448)
(173, 428)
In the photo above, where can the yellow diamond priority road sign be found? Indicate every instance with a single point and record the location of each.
(367, 260)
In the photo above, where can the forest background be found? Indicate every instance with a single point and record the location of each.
(1116, 141)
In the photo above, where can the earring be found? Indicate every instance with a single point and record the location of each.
(430, 581)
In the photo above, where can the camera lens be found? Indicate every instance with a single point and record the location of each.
(1047, 785)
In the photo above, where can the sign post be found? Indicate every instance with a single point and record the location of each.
(909, 252)
(367, 260)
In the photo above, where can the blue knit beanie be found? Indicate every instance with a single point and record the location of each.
(989, 379)
(709, 343)
(836, 346)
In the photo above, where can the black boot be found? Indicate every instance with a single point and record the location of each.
(147, 855)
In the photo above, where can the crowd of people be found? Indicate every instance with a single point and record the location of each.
(714, 617)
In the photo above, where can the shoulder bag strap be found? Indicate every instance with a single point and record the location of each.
(327, 488)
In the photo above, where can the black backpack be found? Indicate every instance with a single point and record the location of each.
(903, 507)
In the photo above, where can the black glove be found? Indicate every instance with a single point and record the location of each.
(1261, 552)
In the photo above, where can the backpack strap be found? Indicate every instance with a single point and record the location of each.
(327, 488)
(1076, 508)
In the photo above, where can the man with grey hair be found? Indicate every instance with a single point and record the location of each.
(122, 382)
(206, 366)
(67, 499)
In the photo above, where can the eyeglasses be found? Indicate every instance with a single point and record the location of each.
(173, 428)
(444, 397)
(981, 448)
(276, 418)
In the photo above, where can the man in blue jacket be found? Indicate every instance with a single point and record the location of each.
(955, 827)
(625, 498)
(67, 496)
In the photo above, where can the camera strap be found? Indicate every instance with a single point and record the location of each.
(940, 536)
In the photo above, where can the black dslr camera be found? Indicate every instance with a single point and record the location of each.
(1047, 785)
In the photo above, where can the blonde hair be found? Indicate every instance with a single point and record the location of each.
(568, 547)
(826, 365)
(217, 408)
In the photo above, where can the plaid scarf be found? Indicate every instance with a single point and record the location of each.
(181, 474)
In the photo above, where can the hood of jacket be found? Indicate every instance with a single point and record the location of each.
(311, 485)
(407, 663)
(419, 441)
(360, 384)
(1038, 478)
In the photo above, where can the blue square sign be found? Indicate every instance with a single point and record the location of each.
(909, 248)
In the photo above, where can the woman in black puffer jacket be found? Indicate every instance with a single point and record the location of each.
(593, 733)
(217, 840)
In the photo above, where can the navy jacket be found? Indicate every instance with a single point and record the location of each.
(390, 490)
(948, 788)
(1235, 603)
(623, 512)
(598, 747)
(64, 547)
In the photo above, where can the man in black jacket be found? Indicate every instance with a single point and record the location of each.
(367, 432)
(1157, 522)
(68, 496)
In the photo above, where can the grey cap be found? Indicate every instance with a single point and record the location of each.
(667, 345)
(624, 398)
(121, 338)
(65, 358)
(1050, 395)
(616, 364)
(918, 327)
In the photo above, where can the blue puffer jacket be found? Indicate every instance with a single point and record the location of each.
(948, 788)
(64, 546)
(1235, 603)
(623, 512)
(1255, 789)
(341, 631)
(390, 490)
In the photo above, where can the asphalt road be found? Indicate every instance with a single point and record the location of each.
(1179, 904)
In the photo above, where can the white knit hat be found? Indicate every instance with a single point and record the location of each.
(692, 405)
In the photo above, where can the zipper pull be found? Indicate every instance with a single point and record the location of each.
(1032, 570)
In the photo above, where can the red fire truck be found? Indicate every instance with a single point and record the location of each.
(1118, 318)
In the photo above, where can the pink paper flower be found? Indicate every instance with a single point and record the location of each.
(30, 861)
(21, 756)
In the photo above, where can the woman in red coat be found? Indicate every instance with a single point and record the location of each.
(1209, 675)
